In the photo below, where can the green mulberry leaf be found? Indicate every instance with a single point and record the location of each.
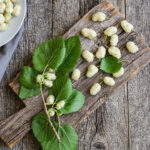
(73, 103)
(62, 88)
(49, 53)
(28, 77)
(73, 53)
(110, 64)
(44, 134)
(27, 93)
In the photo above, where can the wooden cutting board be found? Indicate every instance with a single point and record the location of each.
(16, 126)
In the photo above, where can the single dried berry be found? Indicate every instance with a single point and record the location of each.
(89, 33)
(17, 9)
(99, 16)
(7, 17)
(114, 40)
(2, 7)
(114, 51)
(2, 19)
(127, 27)
(110, 31)
(132, 47)
(109, 81)
(95, 89)
(119, 73)
(88, 56)
(101, 52)
(92, 70)
(76, 74)
(3, 26)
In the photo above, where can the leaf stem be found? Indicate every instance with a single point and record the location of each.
(46, 111)
(58, 121)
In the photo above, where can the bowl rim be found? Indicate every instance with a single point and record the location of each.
(21, 23)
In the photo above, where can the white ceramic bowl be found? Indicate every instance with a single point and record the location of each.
(14, 26)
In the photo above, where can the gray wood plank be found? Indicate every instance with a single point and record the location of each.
(139, 87)
(106, 128)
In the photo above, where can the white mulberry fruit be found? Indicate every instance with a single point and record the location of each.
(89, 33)
(88, 56)
(95, 89)
(51, 112)
(119, 73)
(48, 83)
(3, 26)
(7, 17)
(2, 7)
(99, 16)
(50, 100)
(101, 52)
(16, 11)
(110, 31)
(60, 105)
(50, 76)
(39, 78)
(114, 40)
(114, 51)
(76, 74)
(2, 19)
(127, 27)
(109, 81)
(92, 70)
(132, 47)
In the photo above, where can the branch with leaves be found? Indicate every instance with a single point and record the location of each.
(52, 61)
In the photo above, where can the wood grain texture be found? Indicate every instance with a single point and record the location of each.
(139, 86)
(103, 123)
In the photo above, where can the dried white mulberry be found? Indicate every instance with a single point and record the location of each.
(88, 56)
(99, 16)
(114, 51)
(132, 47)
(89, 33)
(101, 52)
(119, 73)
(95, 89)
(92, 70)
(109, 81)
(110, 31)
(76, 74)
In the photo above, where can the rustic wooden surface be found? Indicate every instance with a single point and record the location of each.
(123, 121)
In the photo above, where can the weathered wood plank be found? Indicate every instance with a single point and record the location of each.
(134, 70)
(103, 130)
(139, 87)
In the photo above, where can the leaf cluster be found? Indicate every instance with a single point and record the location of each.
(58, 54)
